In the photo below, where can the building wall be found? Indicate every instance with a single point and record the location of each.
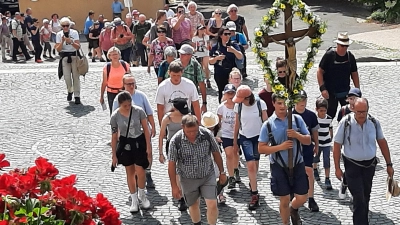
(78, 9)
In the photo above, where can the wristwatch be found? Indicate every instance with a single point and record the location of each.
(389, 164)
(204, 103)
(222, 173)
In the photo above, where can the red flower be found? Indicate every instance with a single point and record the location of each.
(3, 163)
(66, 181)
(111, 218)
(4, 222)
(43, 169)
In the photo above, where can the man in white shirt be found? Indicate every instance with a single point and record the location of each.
(176, 87)
(170, 13)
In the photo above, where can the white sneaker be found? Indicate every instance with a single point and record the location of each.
(342, 191)
(134, 205)
(143, 199)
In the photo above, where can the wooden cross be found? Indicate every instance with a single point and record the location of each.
(290, 54)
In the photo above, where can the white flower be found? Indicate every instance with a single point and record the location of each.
(287, 102)
(256, 29)
(307, 8)
(281, 93)
(295, 8)
(263, 27)
(317, 18)
(308, 50)
(276, 25)
(276, 81)
(259, 45)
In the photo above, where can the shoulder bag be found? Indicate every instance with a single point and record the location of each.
(82, 63)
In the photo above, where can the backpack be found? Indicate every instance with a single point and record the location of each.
(109, 67)
(236, 63)
(178, 139)
(332, 48)
(273, 143)
(347, 125)
(258, 102)
(10, 25)
(115, 29)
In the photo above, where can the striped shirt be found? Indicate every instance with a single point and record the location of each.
(324, 136)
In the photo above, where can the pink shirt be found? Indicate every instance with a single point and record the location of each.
(183, 33)
(157, 49)
(105, 40)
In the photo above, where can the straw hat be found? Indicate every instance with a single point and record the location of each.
(209, 119)
(343, 39)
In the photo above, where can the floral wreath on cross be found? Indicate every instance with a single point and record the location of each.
(302, 10)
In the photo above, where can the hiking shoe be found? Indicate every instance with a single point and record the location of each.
(134, 205)
(208, 83)
(77, 100)
(182, 205)
(69, 97)
(237, 175)
(342, 191)
(295, 216)
(316, 175)
(312, 205)
(232, 183)
(149, 180)
(143, 199)
(328, 184)
(254, 202)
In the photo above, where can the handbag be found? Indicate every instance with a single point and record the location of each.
(82, 62)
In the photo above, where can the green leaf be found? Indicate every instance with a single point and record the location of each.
(42, 210)
(20, 212)
(60, 222)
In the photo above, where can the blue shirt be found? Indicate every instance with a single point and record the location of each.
(117, 7)
(242, 39)
(230, 59)
(312, 124)
(162, 70)
(359, 143)
(139, 99)
(279, 131)
(88, 23)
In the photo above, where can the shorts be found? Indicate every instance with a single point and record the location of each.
(227, 142)
(193, 189)
(326, 156)
(137, 156)
(280, 181)
(308, 155)
(89, 41)
(95, 43)
(250, 148)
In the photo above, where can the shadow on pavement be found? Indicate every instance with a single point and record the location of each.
(374, 216)
(309, 217)
(144, 218)
(155, 198)
(79, 110)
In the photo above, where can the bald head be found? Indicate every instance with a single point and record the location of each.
(361, 102)
(142, 18)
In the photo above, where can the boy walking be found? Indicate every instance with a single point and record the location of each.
(325, 135)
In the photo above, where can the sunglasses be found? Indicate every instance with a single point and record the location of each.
(345, 46)
(227, 34)
(130, 84)
(234, 10)
(65, 25)
(161, 31)
(281, 71)
(217, 13)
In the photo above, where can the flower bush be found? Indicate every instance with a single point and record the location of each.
(303, 11)
(37, 196)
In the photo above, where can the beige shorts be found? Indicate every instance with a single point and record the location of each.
(26, 39)
(193, 189)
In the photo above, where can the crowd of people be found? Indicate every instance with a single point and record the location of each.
(180, 46)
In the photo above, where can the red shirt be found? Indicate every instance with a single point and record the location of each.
(267, 97)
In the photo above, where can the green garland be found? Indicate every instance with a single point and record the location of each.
(301, 10)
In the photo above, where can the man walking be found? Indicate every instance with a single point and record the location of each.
(86, 30)
(5, 37)
(139, 30)
(358, 132)
(191, 154)
(17, 38)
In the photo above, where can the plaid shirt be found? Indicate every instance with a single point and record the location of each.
(194, 160)
(189, 71)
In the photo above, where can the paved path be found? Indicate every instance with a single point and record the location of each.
(37, 121)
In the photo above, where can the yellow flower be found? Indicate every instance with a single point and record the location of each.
(311, 21)
(322, 31)
(254, 49)
(262, 63)
(314, 41)
(286, 95)
(302, 5)
(267, 75)
(273, 22)
(300, 87)
(283, 6)
(263, 54)
(298, 14)
(259, 33)
(309, 66)
(272, 11)
(305, 19)
(295, 92)
(265, 18)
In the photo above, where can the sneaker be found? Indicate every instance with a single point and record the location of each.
(254, 202)
(231, 183)
(54, 51)
(149, 180)
(69, 97)
(77, 100)
(295, 216)
(208, 83)
(39, 61)
(134, 205)
(182, 205)
(328, 184)
(90, 54)
(312, 205)
(143, 199)
(51, 57)
(316, 175)
(237, 175)
(342, 191)
(44, 56)
(221, 199)
(93, 59)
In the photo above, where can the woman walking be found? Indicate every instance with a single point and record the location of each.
(214, 24)
(55, 27)
(45, 37)
(35, 32)
(121, 36)
(161, 19)
(202, 45)
(133, 147)
(157, 47)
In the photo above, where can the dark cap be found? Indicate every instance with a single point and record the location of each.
(229, 88)
(181, 105)
(200, 26)
(303, 94)
(354, 92)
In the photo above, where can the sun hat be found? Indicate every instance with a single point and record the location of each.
(343, 39)
(209, 120)
(181, 105)
(242, 92)
(45, 21)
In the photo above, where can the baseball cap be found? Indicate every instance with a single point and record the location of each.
(231, 25)
(229, 88)
(303, 94)
(354, 92)
(181, 105)
(200, 26)
(117, 21)
(242, 92)
(186, 49)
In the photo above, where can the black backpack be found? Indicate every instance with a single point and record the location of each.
(109, 67)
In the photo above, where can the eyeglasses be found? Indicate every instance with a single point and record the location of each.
(361, 112)
(227, 34)
(130, 84)
(217, 13)
(161, 31)
(281, 71)
(65, 25)
(236, 78)
(233, 10)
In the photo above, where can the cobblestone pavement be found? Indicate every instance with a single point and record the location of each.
(36, 120)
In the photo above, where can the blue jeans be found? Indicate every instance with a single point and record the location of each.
(250, 148)
(326, 156)
(126, 54)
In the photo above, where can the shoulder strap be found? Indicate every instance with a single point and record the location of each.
(259, 108)
(373, 120)
(237, 38)
(195, 70)
(129, 122)
(270, 135)
(124, 65)
(347, 125)
(177, 141)
(343, 111)
(240, 115)
(108, 69)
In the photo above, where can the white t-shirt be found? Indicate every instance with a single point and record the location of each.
(167, 92)
(227, 120)
(201, 46)
(251, 122)
(73, 34)
(170, 13)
